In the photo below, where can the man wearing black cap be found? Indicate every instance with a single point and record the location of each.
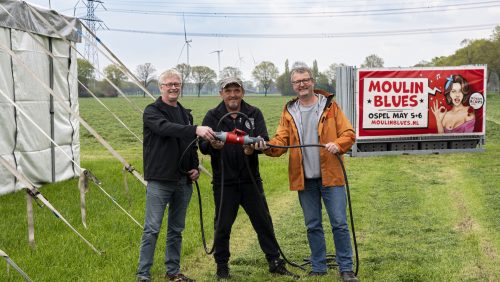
(241, 183)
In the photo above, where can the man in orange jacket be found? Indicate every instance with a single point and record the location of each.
(311, 118)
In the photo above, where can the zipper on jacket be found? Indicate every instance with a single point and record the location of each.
(322, 120)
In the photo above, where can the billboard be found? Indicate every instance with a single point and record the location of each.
(421, 101)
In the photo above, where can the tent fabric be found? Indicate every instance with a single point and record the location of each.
(21, 143)
(24, 19)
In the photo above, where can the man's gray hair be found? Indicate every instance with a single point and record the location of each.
(300, 67)
(168, 73)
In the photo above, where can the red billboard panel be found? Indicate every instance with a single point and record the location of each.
(421, 101)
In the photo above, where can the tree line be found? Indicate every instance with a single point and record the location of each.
(266, 78)
(266, 75)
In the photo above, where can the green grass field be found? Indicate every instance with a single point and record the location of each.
(418, 217)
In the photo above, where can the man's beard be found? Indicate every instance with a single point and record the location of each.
(233, 105)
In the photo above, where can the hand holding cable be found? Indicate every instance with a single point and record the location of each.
(332, 148)
(248, 149)
(205, 132)
(194, 174)
(217, 144)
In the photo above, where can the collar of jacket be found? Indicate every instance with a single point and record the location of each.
(324, 100)
(321, 92)
(221, 110)
(164, 106)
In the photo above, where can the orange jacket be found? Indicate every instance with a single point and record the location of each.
(333, 127)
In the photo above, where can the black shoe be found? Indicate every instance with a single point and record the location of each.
(277, 266)
(222, 271)
(314, 273)
(179, 277)
(348, 276)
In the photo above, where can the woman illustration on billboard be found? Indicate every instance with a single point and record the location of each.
(460, 118)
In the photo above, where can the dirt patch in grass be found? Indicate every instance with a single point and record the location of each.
(468, 226)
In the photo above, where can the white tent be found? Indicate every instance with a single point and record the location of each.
(21, 143)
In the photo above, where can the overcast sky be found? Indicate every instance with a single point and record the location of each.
(338, 31)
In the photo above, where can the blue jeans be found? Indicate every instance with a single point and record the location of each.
(334, 199)
(158, 195)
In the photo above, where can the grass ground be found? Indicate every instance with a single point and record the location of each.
(418, 217)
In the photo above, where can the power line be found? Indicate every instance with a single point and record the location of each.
(256, 5)
(266, 3)
(322, 35)
(302, 14)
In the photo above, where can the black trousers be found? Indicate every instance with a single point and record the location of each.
(253, 201)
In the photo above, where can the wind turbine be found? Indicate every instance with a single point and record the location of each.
(186, 39)
(240, 58)
(254, 62)
(186, 43)
(218, 56)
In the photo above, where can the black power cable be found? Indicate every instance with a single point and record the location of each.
(203, 239)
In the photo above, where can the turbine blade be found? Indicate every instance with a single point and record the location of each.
(181, 52)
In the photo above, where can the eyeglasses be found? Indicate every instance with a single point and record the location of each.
(305, 81)
(172, 84)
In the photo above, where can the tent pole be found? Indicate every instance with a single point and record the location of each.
(31, 223)
(51, 85)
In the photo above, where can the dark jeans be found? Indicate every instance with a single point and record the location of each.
(253, 201)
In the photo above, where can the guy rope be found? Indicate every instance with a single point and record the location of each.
(15, 266)
(33, 192)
